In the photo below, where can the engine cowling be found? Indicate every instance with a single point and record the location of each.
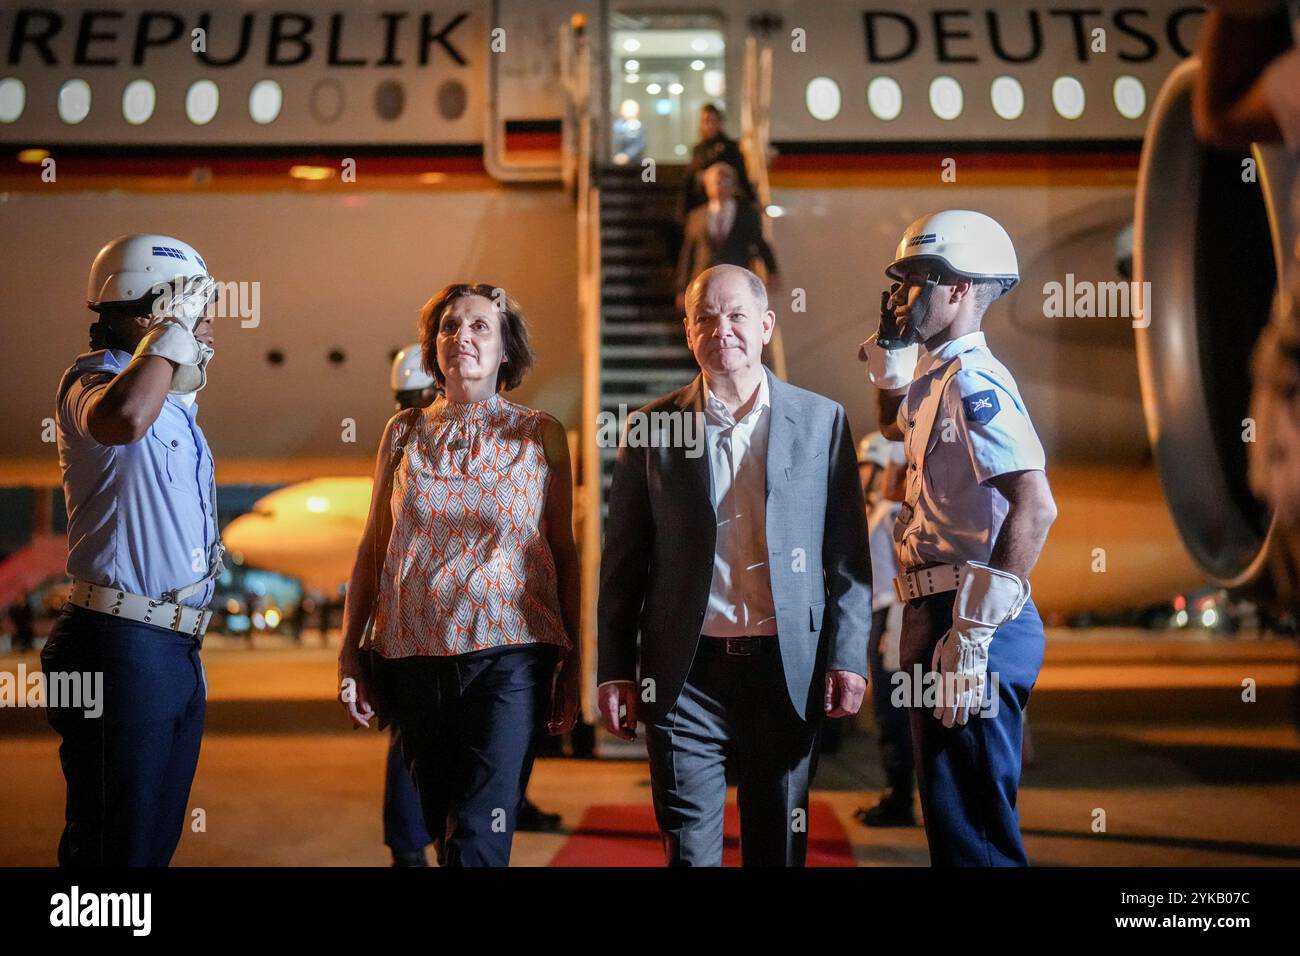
(1208, 239)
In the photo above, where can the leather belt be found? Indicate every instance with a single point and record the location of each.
(923, 581)
(191, 621)
(740, 646)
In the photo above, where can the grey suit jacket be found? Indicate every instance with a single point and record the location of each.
(657, 563)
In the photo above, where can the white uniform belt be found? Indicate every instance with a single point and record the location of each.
(192, 621)
(935, 579)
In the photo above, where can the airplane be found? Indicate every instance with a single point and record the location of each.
(336, 168)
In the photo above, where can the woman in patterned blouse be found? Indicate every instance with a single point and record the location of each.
(475, 601)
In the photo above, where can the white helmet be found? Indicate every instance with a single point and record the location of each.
(967, 244)
(876, 449)
(408, 370)
(130, 266)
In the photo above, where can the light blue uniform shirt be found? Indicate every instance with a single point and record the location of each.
(980, 430)
(141, 516)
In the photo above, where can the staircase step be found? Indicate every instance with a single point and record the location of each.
(646, 352)
(632, 269)
(632, 289)
(619, 329)
(645, 375)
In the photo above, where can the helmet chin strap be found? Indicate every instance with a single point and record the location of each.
(916, 315)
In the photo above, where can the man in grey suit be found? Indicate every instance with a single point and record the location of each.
(742, 560)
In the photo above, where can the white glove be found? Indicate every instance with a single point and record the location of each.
(986, 598)
(178, 310)
(888, 368)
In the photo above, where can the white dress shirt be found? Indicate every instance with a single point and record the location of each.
(722, 216)
(740, 596)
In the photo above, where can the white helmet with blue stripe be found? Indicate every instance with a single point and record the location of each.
(129, 267)
(960, 242)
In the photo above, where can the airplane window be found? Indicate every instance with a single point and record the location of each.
(326, 101)
(13, 97)
(945, 97)
(1067, 97)
(74, 101)
(1130, 97)
(264, 101)
(452, 99)
(390, 99)
(138, 101)
(1008, 97)
(885, 97)
(201, 101)
(822, 97)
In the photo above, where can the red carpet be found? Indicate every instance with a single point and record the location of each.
(624, 834)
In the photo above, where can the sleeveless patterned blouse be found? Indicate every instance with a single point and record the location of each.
(467, 568)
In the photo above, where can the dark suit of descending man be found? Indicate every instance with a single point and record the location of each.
(741, 558)
(726, 230)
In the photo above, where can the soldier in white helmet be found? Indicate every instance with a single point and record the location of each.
(882, 467)
(413, 386)
(976, 513)
(143, 551)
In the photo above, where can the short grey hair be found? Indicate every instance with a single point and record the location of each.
(701, 282)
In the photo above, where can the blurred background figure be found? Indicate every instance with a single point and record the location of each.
(882, 470)
(714, 146)
(628, 133)
(20, 613)
(404, 831)
(1248, 91)
(726, 230)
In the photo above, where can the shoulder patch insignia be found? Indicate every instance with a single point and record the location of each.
(981, 406)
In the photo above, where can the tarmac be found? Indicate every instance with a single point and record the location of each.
(1145, 753)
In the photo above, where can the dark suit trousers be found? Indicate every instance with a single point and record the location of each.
(733, 711)
(128, 770)
(466, 724)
